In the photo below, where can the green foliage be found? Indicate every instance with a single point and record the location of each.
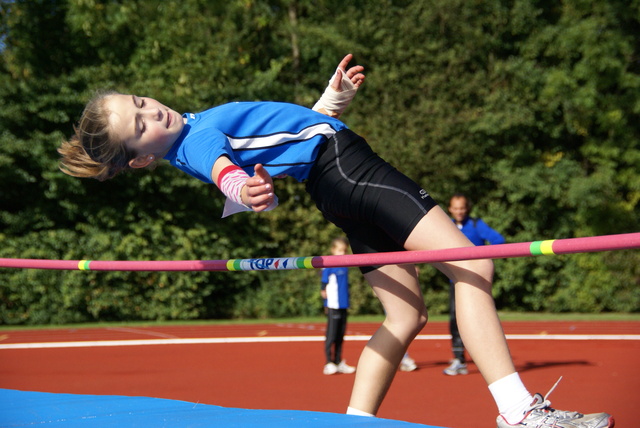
(531, 108)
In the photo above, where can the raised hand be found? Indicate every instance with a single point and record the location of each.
(354, 74)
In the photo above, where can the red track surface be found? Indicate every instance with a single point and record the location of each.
(599, 375)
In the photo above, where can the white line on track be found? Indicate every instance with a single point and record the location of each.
(281, 339)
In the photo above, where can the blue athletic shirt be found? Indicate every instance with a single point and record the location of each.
(335, 281)
(479, 232)
(284, 138)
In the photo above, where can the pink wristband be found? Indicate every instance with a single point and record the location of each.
(231, 181)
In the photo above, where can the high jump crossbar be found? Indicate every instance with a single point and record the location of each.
(522, 249)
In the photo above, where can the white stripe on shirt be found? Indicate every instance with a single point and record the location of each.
(258, 142)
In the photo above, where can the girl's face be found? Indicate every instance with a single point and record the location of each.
(147, 127)
(339, 249)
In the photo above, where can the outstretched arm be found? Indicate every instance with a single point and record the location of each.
(342, 88)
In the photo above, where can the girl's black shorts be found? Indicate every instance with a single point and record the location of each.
(372, 202)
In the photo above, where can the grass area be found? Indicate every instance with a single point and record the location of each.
(536, 316)
(504, 316)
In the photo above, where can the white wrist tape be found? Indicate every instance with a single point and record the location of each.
(334, 102)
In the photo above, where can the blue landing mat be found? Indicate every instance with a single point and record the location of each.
(25, 408)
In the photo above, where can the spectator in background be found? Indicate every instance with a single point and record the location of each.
(335, 292)
(479, 233)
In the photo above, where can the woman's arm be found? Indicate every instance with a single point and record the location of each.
(255, 193)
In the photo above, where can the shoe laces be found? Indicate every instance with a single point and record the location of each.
(544, 403)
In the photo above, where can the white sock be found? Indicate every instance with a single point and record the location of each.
(511, 397)
(356, 412)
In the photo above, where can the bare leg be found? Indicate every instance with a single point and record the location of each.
(478, 321)
(397, 288)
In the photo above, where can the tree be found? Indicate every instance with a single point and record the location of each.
(530, 107)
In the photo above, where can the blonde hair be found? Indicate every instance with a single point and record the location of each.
(340, 240)
(93, 151)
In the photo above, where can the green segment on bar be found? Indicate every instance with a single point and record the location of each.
(538, 248)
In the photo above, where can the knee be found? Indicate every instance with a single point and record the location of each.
(409, 325)
(479, 272)
(417, 324)
(420, 322)
(423, 319)
(487, 273)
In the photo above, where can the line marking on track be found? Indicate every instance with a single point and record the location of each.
(138, 331)
(283, 339)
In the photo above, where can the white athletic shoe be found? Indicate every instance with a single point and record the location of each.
(407, 364)
(330, 368)
(343, 367)
(541, 415)
(457, 367)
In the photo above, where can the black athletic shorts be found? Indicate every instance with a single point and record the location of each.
(373, 203)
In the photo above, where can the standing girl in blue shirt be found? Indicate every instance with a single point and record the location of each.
(335, 294)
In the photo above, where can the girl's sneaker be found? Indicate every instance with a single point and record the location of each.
(330, 368)
(541, 415)
(408, 364)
